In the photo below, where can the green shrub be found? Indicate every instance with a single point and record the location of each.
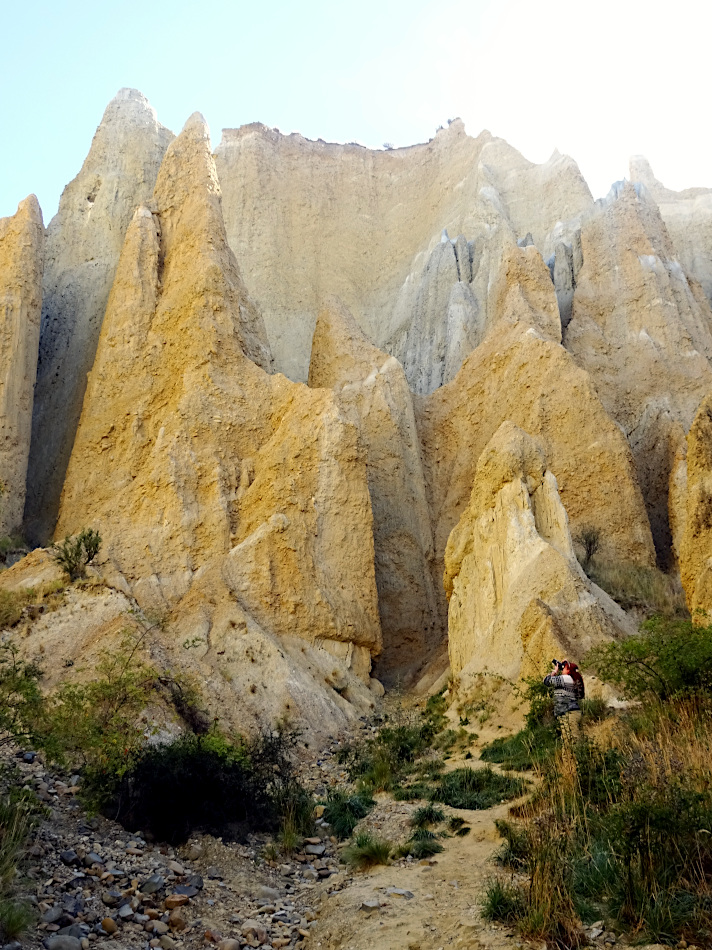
(422, 844)
(477, 788)
(206, 783)
(525, 750)
(666, 658)
(594, 710)
(12, 605)
(367, 851)
(503, 901)
(414, 792)
(16, 917)
(74, 553)
(343, 811)
(427, 815)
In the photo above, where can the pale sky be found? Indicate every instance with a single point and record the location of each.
(600, 81)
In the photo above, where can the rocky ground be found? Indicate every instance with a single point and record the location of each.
(93, 883)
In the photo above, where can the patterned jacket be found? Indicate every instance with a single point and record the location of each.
(565, 693)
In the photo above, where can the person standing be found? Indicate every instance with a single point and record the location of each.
(568, 690)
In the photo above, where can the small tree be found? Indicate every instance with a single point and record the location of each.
(589, 538)
(73, 554)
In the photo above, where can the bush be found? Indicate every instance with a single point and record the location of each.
(73, 554)
(208, 784)
(588, 538)
(622, 832)
(427, 815)
(343, 812)
(422, 844)
(503, 901)
(525, 750)
(477, 788)
(367, 851)
(667, 658)
(16, 917)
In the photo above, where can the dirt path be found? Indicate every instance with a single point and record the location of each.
(443, 910)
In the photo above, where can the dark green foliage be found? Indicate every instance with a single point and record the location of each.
(503, 901)
(343, 811)
(427, 815)
(455, 822)
(366, 852)
(206, 783)
(667, 658)
(594, 710)
(74, 553)
(22, 707)
(16, 917)
(477, 788)
(411, 793)
(525, 750)
(422, 844)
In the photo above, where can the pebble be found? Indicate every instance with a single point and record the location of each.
(63, 942)
(109, 926)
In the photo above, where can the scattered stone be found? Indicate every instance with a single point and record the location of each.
(153, 884)
(215, 874)
(176, 900)
(316, 849)
(399, 892)
(269, 893)
(185, 890)
(63, 942)
(69, 857)
(109, 926)
(230, 944)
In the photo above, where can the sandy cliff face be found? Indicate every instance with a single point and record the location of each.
(307, 219)
(643, 331)
(695, 520)
(244, 497)
(84, 241)
(21, 263)
(519, 376)
(517, 593)
(372, 391)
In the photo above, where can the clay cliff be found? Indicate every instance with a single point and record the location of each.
(479, 361)
(308, 219)
(83, 244)
(517, 593)
(21, 263)
(642, 327)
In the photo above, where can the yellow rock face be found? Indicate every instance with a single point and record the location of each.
(208, 479)
(517, 593)
(696, 545)
(84, 241)
(21, 262)
(372, 391)
(518, 376)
